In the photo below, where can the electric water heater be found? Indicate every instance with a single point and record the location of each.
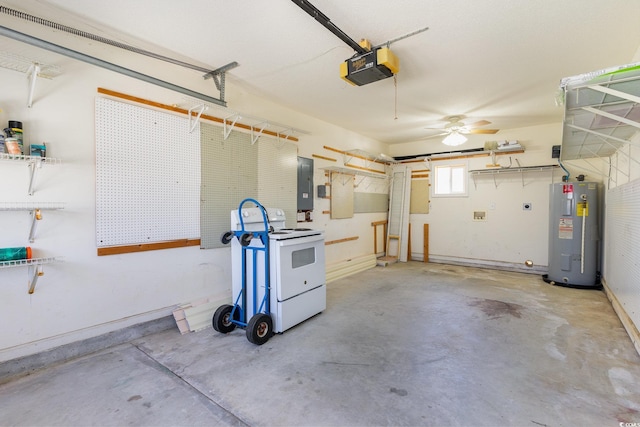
(573, 235)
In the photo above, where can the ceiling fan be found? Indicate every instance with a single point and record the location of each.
(456, 129)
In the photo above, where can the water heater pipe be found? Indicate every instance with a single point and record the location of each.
(566, 177)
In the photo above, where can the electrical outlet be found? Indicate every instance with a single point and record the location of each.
(526, 206)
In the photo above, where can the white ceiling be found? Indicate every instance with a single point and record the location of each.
(495, 60)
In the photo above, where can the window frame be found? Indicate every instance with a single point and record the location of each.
(464, 165)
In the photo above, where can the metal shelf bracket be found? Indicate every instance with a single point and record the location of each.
(218, 76)
(35, 271)
(255, 136)
(36, 215)
(194, 122)
(286, 133)
(227, 129)
(34, 164)
(32, 75)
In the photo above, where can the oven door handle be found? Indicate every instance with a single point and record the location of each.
(300, 240)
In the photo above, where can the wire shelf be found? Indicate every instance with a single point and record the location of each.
(27, 262)
(23, 158)
(28, 206)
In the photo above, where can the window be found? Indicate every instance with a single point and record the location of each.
(450, 180)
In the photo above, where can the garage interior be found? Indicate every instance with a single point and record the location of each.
(423, 144)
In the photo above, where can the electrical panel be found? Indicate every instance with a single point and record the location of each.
(305, 184)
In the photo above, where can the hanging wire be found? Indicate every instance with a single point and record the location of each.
(395, 89)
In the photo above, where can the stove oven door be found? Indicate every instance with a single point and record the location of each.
(298, 288)
(297, 265)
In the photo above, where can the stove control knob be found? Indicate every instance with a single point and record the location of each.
(245, 213)
(280, 213)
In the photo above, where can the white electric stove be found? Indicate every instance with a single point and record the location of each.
(296, 267)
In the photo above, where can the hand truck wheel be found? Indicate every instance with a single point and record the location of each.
(260, 329)
(245, 239)
(222, 319)
(226, 237)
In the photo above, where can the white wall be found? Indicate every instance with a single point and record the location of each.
(510, 235)
(86, 295)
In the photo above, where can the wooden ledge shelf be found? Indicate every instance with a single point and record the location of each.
(143, 247)
(346, 239)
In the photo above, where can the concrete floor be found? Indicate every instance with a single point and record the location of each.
(405, 345)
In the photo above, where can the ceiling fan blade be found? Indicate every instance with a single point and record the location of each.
(483, 131)
(477, 124)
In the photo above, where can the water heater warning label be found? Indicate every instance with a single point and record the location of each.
(565, 230)
(582, 209)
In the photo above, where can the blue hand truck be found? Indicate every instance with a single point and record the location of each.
(259, 327)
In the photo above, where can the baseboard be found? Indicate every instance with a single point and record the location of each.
(28, 364)
(628, 324)
(351, 266)
(496, 265)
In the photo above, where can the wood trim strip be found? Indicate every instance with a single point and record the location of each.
(317, 156)
(115, 250)
(186, 112)
(425, 243)
(346, 239)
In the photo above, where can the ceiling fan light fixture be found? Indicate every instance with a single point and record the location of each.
(454, 138)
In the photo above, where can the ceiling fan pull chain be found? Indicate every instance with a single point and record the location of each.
(395, 89)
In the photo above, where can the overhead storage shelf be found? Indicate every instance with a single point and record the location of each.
(602, 112)
(502, 171)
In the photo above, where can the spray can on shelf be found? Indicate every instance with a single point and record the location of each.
(16, 129)
(11, 254)
(12, 143)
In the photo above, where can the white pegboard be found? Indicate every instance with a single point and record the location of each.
(147, 175)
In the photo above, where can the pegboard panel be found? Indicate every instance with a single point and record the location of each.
(229, 174)
(621, 246)
(147, 175)
(235, 169)
(278, 173)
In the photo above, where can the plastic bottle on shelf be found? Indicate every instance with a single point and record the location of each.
(12, 254)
